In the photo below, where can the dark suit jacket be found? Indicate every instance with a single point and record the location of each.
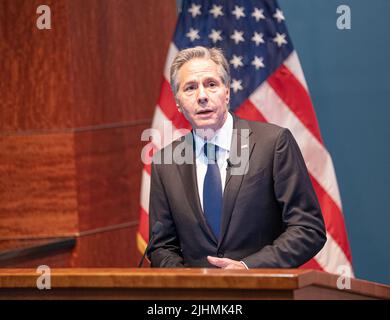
(271, 217)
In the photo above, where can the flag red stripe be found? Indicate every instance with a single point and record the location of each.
(333, 217)
(144, 224)
(148, 168)
(168, 106)
(295, 96)
(249, 112)
(311, 264)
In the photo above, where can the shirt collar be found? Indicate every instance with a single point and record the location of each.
(222, 138)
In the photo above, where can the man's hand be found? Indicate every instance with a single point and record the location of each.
(225, 263)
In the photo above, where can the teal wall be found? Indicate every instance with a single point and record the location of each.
(348, 76)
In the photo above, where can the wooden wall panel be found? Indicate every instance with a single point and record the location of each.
(61, 259)
(35, 86)
(74, 101)
(102, 249)
(37, 186)
(109, 171)
(119, 49)
(110, 248)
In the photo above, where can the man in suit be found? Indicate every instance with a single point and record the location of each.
(245, 199)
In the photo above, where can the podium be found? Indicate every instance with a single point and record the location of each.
(176, 284)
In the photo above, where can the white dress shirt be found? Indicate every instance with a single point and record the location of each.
(222, 139)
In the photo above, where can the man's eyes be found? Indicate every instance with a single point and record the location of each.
(210, 84)
(189, 88)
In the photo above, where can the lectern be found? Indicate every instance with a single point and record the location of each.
(129, 283)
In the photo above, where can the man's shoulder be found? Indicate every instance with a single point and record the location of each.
(263, 129)
(184, 142)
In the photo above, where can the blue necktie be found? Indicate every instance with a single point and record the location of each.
(212, 190)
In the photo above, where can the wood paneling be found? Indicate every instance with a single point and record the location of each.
(28, 250)
(116, 247)
(37, 186)
(74, 101)
(61, 259)
(35, 77)
(118, 50)
(107, 248)
(109, 171)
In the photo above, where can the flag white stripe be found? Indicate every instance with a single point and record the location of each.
(145, 191)
(165, 129)
(159, 121)
(292, 63)
(317, 158)
(172, 51)
(332, 257)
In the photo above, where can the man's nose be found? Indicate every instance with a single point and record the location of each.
(202, 96)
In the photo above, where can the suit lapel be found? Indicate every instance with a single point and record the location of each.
(239, 156)
(188, 175)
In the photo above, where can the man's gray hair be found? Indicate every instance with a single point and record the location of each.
(183, 56)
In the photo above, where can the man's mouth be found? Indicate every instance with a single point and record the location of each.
(205, 111)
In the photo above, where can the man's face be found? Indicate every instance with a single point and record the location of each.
(202, 96)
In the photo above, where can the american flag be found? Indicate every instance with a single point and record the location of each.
(267, 84)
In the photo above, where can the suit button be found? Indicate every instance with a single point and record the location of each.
(220, 255)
